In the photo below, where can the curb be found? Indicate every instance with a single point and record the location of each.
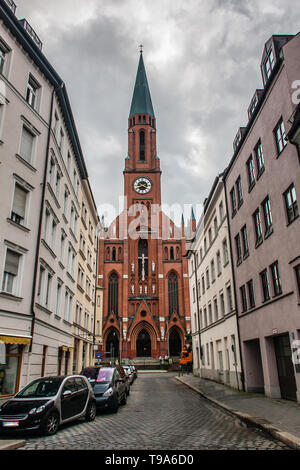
(283, 436)
(11, 445)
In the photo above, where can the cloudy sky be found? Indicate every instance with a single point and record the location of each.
(203, 65)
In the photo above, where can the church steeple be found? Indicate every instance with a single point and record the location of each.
(141, 101)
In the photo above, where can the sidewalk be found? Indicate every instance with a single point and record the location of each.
(280, 418)
(11, 444)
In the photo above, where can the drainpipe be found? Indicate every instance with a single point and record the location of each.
(234, 290)
(95, 302)
(198, 312)
(37, 253)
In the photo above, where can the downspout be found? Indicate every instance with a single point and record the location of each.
(234, 288)
(95, 301)
(37, 253)
(198, 312)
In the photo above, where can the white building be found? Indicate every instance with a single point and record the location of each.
(42, 175)
(216, 349)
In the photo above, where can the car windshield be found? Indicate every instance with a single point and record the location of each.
(105, 375)
(90, 372)
(40, 388)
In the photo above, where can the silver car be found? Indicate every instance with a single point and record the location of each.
(46, 403)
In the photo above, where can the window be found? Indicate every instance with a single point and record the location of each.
(257, 226)
(245, 242)
(210, 314)
(142, 146)
(239, 191)
(238, 249)
(229, 298)
(19, 205)
(219, 268)
(269, 63)
(205, 316)
(61, 139)
(203, 284)
(11, 272)
(58, 297)
(113, 294)
(222, 303)
(26, 147)
(210, 236)
(233, 201)
(225, 252)
(173, 293)
(216, 226)
(216, 311)
(251, 293)
(297, 273)
(276, 279)
(267, 216)
(207, 278)
(32, 93)
(250, 171)
(279, 133)
(4, 58)
(221, 210)
(259, 158)
(213, 271)
(291, 204)
(265, 285)
(62, 247)
(243, 298)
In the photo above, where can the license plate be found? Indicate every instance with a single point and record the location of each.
(10, 424)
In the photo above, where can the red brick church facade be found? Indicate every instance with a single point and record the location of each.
(141, 264)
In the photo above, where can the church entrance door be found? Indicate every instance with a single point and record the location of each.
(143, 344)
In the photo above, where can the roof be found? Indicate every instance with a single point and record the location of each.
(141, 101)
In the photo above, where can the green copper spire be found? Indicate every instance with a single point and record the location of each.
(141, 100)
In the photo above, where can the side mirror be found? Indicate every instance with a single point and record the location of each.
(67, 393)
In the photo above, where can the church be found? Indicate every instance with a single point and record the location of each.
(142, 267)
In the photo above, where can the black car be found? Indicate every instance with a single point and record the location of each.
(46, 403)
(91, 373)
(110, 389)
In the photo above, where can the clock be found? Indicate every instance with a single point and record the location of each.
(142, 185)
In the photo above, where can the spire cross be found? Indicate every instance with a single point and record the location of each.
(141, 48)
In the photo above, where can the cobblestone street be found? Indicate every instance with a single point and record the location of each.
(160, 414)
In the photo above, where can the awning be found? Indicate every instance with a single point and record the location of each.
(15, 339)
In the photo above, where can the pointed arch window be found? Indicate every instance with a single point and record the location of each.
(114, 256)
(173, 293)
(143, 257)
(113, 289)
(142, 146)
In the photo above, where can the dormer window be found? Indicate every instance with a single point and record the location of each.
(269, 63)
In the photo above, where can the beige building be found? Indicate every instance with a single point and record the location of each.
(86, 268)
(214, 323)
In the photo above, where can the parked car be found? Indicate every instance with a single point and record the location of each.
(90, 373)
(46, 403)
(134, 369)
(110, 389)
(124, 377)
(129, 374)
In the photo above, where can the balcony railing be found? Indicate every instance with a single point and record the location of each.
(31, 33)
(11, 5)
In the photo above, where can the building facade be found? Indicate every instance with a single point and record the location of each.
(142, 268)
(262, 186)
(216, 351)
(43, 176)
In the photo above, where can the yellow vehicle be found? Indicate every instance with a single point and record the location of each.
(186, 357)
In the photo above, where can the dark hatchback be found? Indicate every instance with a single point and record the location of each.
(110, 389)
(46, 403)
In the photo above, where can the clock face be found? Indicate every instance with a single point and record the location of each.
(142, 185)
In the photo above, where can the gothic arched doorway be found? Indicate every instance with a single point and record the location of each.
(143, 344)
(174, 343)
(112, 345)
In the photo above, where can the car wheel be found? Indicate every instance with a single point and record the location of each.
(91, 411)
(50, 424)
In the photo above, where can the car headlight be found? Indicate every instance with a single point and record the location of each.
(108, 392)
(40, 409)
(32, 411)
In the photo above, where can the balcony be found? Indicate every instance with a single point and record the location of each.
(31, 33)
(11, 5)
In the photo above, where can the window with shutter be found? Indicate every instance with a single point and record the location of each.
(26, 147)
(19, 205)
(11, 270)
